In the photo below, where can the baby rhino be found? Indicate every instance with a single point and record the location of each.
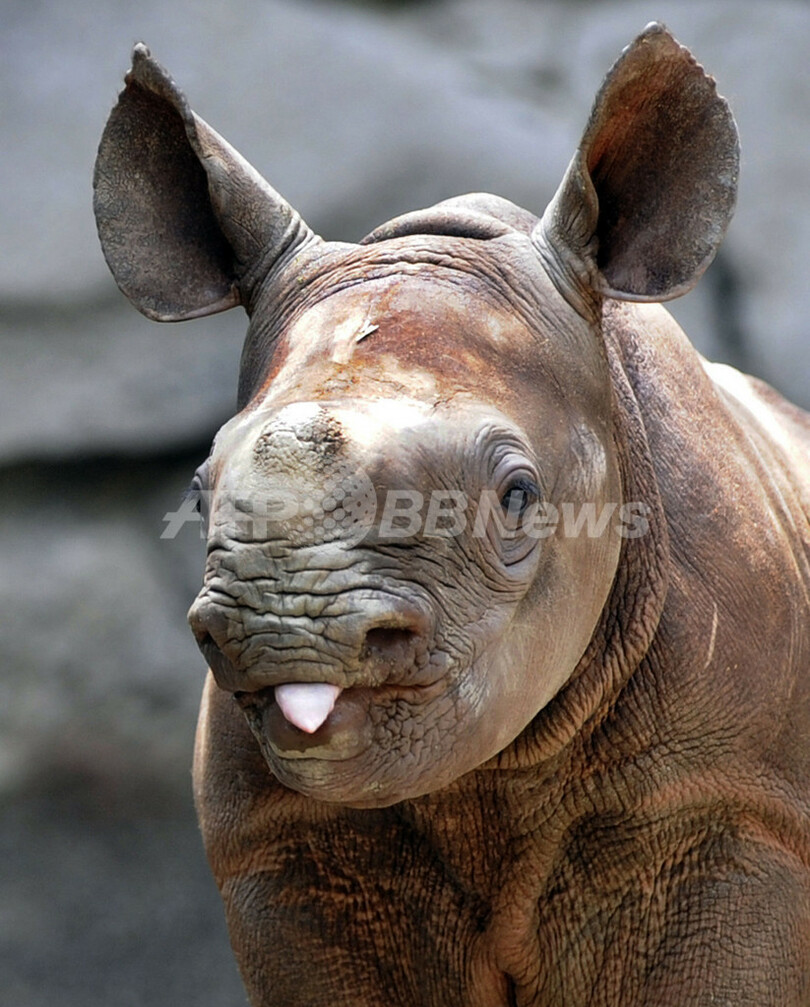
(506, 600)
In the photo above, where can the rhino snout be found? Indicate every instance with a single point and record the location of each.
(389, 643)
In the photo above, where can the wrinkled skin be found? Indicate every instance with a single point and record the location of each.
(414, 629)
(561, 768)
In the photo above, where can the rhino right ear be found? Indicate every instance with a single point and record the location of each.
(647, 198)
(187, 226)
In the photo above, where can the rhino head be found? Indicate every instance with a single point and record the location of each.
(387, 594)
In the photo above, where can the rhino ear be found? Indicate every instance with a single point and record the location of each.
(648, 196)
(186, 224)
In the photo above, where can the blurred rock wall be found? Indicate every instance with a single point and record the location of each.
(356, 113)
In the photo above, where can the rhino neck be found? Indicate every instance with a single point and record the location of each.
(631, 615)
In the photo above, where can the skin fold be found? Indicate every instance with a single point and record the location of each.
(507, 589)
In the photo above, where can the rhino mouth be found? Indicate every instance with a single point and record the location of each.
(310, 703)
(308, 730)
(316, 720)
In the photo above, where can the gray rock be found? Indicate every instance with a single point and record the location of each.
(107, 899)
(97, 378)
(356, 116)
(100, 672)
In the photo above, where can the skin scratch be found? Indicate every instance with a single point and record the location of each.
(712, 639)
(348, 335)
(366, 332)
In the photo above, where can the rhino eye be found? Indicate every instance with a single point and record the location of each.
(198, 489)
(520, 495)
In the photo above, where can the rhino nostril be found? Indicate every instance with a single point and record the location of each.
(226, 675)
(384, 637)
(209, 626)
(207, 644)
(390, 644)
(204, 639)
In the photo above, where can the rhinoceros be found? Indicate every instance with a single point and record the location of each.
(507, 589)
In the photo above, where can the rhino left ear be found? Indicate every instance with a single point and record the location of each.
(647, 197)
(187, 226)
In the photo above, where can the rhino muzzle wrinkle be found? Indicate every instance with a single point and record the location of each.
(453, 751)
(385, 640)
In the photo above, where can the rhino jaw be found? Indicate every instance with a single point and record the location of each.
(307, 704)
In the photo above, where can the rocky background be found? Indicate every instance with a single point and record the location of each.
(356, 112)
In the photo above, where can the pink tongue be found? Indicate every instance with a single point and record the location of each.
(307, 704)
